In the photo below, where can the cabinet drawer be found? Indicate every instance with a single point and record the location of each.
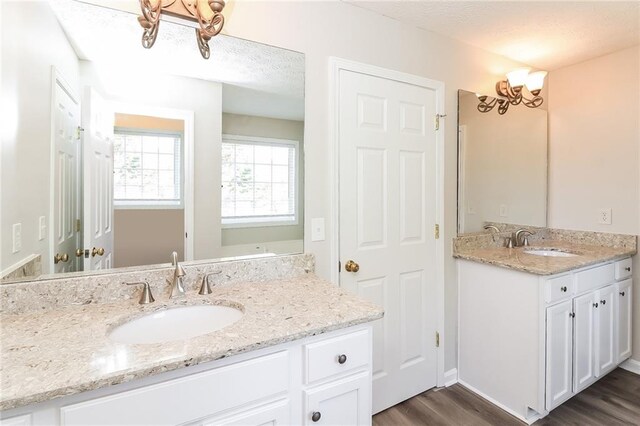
(337, 355)
(559, 288)
(623, 269)
(594, 278)
(181, 400)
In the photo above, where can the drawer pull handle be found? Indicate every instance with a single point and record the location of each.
(628, 269)
(342, 359)
(315, 416)
(563, 289)
(595, 305)
(622, 293)
(604, 302)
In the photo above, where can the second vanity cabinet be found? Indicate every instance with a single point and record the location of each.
(324, 379)
(529, 342)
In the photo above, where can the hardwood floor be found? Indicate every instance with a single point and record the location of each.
(613, 400)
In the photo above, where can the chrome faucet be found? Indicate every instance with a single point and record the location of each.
(521, 242)
(177, 289)
(493, 227)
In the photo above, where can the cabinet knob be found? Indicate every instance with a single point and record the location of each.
(342, 359)
(595, 305)
(563, 289)
(622, 293)
(604, 302)
(316, 416)
(572, 314)
(628, 269)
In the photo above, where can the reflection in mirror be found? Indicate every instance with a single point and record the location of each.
(115, 156)
(502, 165)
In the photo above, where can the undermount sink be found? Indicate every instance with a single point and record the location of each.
(173, 324)
(549, 253)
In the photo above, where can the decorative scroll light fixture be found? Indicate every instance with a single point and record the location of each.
(207, 13)
(511, 91)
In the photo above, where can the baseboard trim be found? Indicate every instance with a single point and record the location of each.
(631, 365)
(499, 405)
(451, 377)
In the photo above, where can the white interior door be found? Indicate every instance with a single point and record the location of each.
(387, 148)
(66, 174)
(98, 122)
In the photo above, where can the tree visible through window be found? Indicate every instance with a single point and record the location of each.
(147, 168)
(259, 178)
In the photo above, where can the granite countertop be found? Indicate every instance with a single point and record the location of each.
(518, 259)
(65, 351)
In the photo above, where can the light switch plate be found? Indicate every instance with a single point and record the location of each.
(17, 237)
(317, 229)
(604, 216)
(42, 228)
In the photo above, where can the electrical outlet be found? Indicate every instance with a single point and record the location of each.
(317, 229)
(504, 210)
(17, 237)
(42, 228)
(604, 216)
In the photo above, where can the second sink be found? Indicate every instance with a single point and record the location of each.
(173, 324)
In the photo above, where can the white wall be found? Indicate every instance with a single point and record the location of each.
(324, 29)
(594, 137)
(27, 58)
(202, 97)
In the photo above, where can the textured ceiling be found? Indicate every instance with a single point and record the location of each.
(105, 35)
(544, 34)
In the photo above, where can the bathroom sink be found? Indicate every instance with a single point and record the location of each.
(176, 324)
(550, 253)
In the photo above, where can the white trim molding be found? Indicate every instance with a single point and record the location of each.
(451, 377)
(335, 66)
(631, 365)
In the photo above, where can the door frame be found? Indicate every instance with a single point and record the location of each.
(58, 79)
(188, 117)
(335, 66)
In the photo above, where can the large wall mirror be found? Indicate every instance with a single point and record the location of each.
(115, 156)
(502, 165)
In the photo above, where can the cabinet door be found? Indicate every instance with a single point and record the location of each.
(271, 414)
(583, 343)
(345, 402)
(605, 341)
(559, 350)
(623, 307)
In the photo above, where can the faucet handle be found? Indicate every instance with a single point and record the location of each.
(146, 296)
(205, 288)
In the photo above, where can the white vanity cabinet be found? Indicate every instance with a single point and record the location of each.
(528, 342)
(324, 379)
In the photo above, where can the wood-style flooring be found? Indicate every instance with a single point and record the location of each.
(613, 400)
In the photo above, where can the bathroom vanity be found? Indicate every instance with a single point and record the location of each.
(300, 353)
(537, 329)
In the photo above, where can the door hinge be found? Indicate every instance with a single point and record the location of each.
(436, 231)
(78, 225)
(339, 266)
(437, 339)
(79, 131)
(437, 120)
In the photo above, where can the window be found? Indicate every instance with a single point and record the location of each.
(259, 181)
(147, 168)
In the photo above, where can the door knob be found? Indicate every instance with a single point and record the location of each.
(315, 416)
(98, 251)
(79, 252)
(64, 257)
(351, 266)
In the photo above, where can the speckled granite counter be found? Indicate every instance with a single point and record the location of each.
(65, 351)
(590, 247)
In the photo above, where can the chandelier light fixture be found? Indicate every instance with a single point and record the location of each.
(511, 91)
(207, 13)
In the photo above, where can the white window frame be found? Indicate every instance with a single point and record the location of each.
(264, 221)
(154, 204)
